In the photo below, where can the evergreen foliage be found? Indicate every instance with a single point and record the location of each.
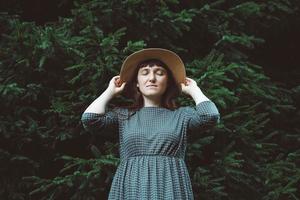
(50, 73)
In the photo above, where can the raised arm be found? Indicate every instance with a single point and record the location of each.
(205, 115)
(95, 117)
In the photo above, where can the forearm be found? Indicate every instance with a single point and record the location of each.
(198, 95)
(99, 104)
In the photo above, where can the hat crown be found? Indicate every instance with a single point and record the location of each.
(171, 59)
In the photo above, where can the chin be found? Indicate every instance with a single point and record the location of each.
(153, 95)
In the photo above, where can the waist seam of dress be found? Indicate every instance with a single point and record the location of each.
(152, 155)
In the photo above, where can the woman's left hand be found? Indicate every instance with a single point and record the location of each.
(189, 86)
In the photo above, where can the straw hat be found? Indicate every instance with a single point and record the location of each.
(171, 59)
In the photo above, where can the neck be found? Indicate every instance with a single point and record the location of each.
(151, 102)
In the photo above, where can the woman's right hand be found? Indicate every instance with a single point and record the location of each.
(115, 86)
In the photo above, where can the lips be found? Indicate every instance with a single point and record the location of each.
(152, 85)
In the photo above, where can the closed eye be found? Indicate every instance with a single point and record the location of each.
(160, 72)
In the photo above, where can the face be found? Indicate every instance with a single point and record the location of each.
(155, 75)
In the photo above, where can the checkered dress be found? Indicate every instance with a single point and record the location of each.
(152, 149)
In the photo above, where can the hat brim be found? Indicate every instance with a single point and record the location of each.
(171, 59)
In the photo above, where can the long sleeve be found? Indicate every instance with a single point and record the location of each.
(96, 123)
(205, 115)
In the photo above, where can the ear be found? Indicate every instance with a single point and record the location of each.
(137, 85)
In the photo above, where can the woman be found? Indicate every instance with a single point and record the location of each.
(154, 132)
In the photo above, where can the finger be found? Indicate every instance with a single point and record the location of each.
(116, 82)
(120, 84)
(123, 85)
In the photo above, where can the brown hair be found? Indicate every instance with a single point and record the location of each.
(168, 98)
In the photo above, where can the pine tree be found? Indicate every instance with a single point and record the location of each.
(51, 72)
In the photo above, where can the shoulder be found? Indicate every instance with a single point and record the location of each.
(118, 109)
(183, 109)
(187, 111)
(120, 112)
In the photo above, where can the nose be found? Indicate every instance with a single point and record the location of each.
(152, 77)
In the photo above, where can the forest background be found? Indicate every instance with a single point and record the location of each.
(57, 56)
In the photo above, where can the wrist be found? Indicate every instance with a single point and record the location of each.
(195, 91)
(198, 96)
(109, 94)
